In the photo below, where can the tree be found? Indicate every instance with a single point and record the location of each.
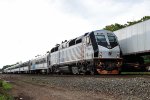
(116, 26)
(145, 18)
(6, 66)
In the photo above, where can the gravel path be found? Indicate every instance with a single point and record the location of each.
(90, 88)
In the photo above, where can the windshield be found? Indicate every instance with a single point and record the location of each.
(112, 40)
(101, 40)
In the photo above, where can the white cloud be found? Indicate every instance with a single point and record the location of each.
(31, 27)
(104, 12)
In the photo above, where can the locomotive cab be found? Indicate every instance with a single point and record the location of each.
(106, 52)
(93, 52)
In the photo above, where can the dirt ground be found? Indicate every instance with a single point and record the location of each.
(26, 90)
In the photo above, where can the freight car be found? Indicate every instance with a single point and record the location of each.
(134, 42)
(94, 52)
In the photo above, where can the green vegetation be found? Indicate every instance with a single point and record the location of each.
(146, 59)
(4, 97)
(135, 73)
(4, 88)
(6, 66)
(116, 26)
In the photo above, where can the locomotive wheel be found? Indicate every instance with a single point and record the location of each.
(90, 70)
(75, 70)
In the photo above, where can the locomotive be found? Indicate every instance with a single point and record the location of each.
(96, 52)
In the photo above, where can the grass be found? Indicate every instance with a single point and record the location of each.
(147, 61)
(4, 88)
(4, 97)
(136, 73)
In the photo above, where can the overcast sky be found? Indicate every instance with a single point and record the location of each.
(31, 27)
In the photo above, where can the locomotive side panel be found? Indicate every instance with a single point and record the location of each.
(71, 54)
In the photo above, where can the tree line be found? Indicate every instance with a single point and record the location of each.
(6, 66)
(116, 26)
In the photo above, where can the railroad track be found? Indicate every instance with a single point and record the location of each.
(82, 76)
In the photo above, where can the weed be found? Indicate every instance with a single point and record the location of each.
(6, 86)
(136, 73)
(5, 97)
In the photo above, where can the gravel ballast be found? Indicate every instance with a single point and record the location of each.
(123, 88)
(118, 87)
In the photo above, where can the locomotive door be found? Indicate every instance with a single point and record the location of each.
(83, 49)
(88, 48)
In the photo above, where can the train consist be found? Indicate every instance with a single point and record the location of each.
(94, 52)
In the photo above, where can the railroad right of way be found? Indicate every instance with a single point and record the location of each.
(122, 87)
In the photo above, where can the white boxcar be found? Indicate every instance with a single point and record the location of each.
(135, 39)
